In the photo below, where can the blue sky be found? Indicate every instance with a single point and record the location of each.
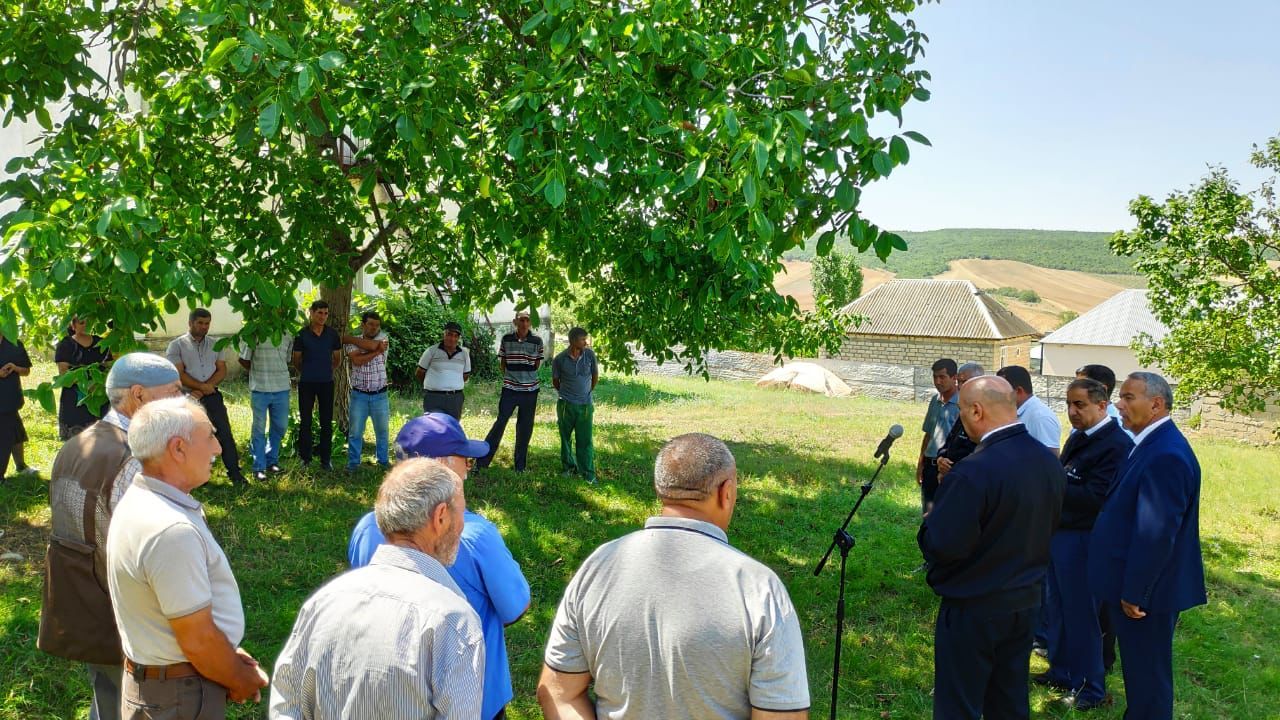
(1054, 115)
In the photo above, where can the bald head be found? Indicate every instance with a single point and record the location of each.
(986, 403)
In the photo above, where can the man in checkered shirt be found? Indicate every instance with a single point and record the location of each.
(369, 392)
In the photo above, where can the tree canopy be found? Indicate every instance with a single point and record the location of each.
(663, 154)
(1212, 259)
(837, 278)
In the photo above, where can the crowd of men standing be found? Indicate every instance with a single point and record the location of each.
(1024, 543)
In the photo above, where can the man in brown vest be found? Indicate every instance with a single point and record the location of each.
(90, 474)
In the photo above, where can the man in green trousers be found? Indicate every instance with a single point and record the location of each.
(574, 373)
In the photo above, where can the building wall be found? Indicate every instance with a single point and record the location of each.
(1060, 359)
(923, 351)
(1258, 428)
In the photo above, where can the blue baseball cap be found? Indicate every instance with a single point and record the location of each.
(435, 435)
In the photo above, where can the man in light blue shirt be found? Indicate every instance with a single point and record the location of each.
(487, 574)
(1041, 422)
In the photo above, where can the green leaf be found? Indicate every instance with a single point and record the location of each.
(332, 60)
(882, 163)
(898, 150)
(532, 23)
(515, 145)
(921, 94)
(698, 70)
(59, 205)
(554, 192)
(269, 120)
(762, 156)
(104, 221)
(367, 183)
(918, 137)
(560, 40)
(42, 117)
(171, 305)
(731, 122)
(846, 195)
(305, 80)
(126, 261)
(405, 128)
(279, 44)
(825, 242)
(800, 120)
(220, 53)
(763, 226)
(62, 269)
(896, 241)
(749, 190)
(422, 23)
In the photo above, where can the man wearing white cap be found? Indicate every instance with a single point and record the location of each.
(90, 474)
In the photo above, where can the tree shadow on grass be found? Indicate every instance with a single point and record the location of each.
(632, 392)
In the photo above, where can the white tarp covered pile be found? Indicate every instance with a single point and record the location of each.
(806, 377)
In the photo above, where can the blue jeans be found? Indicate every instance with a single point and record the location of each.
(267, 452)
(365, 406)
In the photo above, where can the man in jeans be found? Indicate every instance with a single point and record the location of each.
(574, 373)
(520, 354)
(317, 350)
(202, 370)
(268, 366)
(368, 392)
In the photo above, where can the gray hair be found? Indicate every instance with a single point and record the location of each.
(971, 370)
(117, 397)
(410, 494)
(1157, 386)
(158, 422)
(691, 466)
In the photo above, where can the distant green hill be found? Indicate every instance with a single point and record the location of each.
(929, 252)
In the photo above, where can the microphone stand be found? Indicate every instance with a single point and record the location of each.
(844, 541)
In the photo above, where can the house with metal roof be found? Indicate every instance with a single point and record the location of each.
(1103, 336)
(915, 322)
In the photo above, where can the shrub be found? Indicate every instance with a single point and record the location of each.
(414, 323)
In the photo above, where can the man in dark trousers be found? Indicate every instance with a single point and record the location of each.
(987, 543)
(1144, 552)
(520, 354)
(958, 445)
(1094, 452)
(317, 350)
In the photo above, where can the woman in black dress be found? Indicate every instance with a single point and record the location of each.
(78, 349)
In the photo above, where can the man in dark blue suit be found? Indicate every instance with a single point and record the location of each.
(1144, 552)
(987, 543)
(1094, 452)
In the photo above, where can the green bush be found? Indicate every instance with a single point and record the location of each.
(414, 323)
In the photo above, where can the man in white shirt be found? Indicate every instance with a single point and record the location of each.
(443, 371)
(1041, 422)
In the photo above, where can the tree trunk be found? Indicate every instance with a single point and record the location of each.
(339, 299)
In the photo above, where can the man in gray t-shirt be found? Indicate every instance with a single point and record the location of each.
(671, 621)
(574, 373)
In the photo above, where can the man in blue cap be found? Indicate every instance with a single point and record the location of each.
(484, 569)
(90, 474)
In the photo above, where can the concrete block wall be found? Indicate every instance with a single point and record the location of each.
(1257, 428)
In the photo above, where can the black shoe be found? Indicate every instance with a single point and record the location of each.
(240, 481)
(326, 465)
(260, 475)
(1048, 680)
(275, 469)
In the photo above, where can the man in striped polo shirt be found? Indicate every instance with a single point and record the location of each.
(520, 354)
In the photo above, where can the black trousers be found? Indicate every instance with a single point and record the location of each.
(449, 403)
(512, 401)
(9, 433)
(217, 410)
(981, 659)
(928, 483)
(309, 394)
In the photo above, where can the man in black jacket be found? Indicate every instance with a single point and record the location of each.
(987, 542)
(958, 445)
(1094, 452)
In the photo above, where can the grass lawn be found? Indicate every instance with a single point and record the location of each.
(800, 460)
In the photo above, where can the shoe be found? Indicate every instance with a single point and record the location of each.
(1048, 680)
(240, 481)
(1040, 649)
(260, 475)
(28, 471)
(326, 465)
(275, 469)
(1073, 702)
(352, 468)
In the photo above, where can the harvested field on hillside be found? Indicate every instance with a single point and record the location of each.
(1059, 289)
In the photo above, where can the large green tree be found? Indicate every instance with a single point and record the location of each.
(663, 154)
(1212, 260)
(837, 278)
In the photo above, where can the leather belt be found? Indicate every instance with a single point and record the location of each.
(159, 672)
(444, 392)
(370, 392)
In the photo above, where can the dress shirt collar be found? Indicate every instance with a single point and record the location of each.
(989, 433)
(168, 492)
(417, 561)
(666, 522)
(1100, 424)
(1146, 432)
(114, 417)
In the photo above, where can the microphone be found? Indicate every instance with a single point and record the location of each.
(895, 432)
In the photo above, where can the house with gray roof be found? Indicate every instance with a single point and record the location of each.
(915, 322)
(1103, 336)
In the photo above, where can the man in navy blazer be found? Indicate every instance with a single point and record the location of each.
(987, 542)
(1144, 552)
(1094, 452)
